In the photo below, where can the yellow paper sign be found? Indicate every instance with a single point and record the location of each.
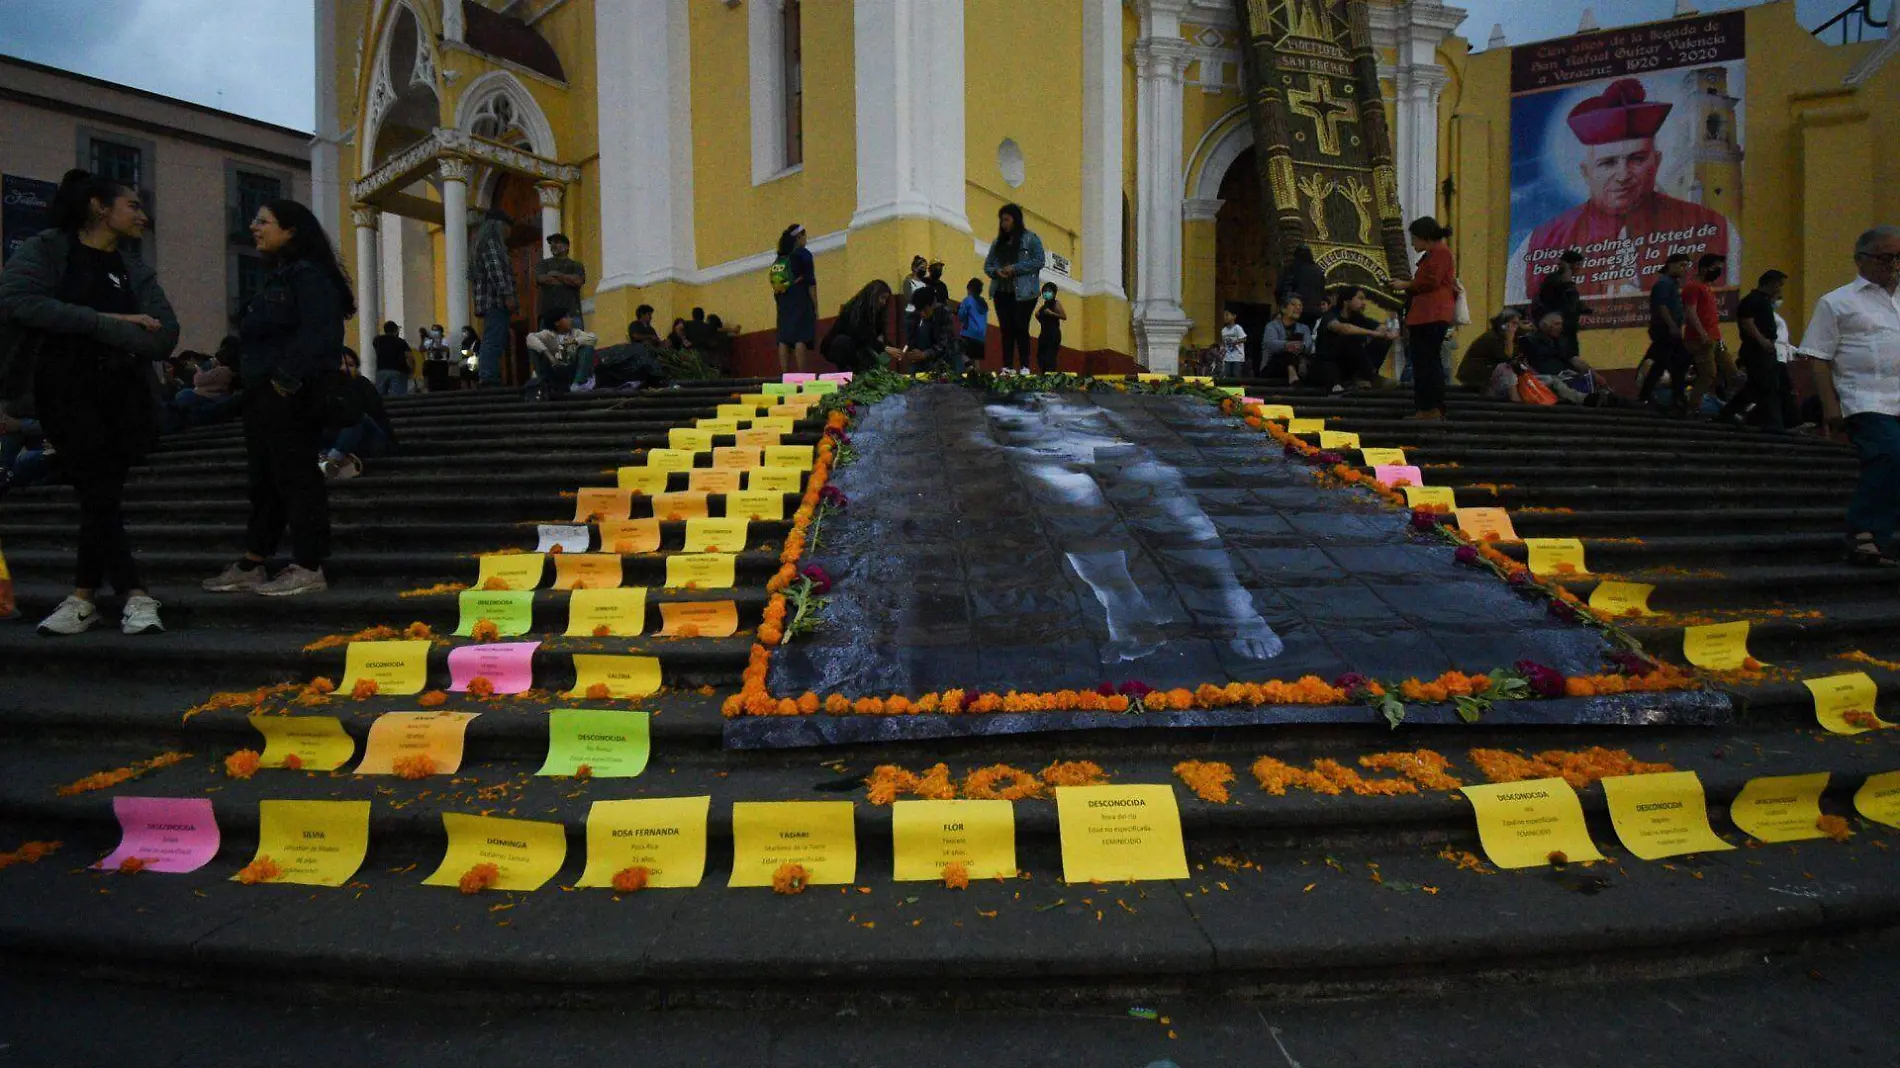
(1430, 497)
(1837, 695)
(525, 853)
(820, 836)
(1622, 598)
(596, 571)
(699, 619)
(1555, 556)
(664, 835)
(1487, 524)
(756, 438)
(1781, 808)
(1338, 439)
(632, 537)
(400, 667)
(319, 742)
(1522, 823)
(1382, 457)
(399, 735)
(1716, 646)
(594, 505)
(1305, 426)
(780, 425)
(736, 411)
(758, 400)
(514, 571)
(1274, 413)
(718, 427)
(1661, 815)
(676, 506)
(642, 481)
(793, 456)
(758, 507)
(1878, 798)
(670, 459)
(926, 835)
(776, 480)
(1151, 378)
(624, 676)
(1116, 833)
(713, 480)
(716, 535)
(701, 571)
(689, 439)
(313, 843)
(623, 612)
(739, 457)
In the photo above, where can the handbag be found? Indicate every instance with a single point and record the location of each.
(1461, 311)
(1532, 390)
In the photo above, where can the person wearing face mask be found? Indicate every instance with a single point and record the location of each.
(918, 278)
(81, 324)
(1050, 317)
(1755, 315)
(935, 282)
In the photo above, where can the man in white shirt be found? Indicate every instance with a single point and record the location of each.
(563, 356)
(1854, 339)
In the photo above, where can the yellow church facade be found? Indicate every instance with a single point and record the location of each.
(673, 140)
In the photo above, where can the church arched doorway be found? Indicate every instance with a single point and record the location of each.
(1244, 275)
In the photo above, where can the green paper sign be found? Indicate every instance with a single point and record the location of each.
(818, 389)
(613, 745)
(1232, 391)
(778, 389)
(511, 611)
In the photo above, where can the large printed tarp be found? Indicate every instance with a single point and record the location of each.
(1059, 541)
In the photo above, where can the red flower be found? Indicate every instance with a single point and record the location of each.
(820, 579)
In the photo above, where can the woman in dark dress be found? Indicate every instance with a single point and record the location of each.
(83, 324)
(798, 303)
(1050, 317)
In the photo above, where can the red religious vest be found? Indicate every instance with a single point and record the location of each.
(1621, 252)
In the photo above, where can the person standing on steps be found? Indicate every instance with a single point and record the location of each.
(1667, 353)
(1433, 289)
(558, 281)
(1761, 361)
(392, 361)
(436, 360)
(794, 278)
(293, 337)
(1558, 292)
(1233, 345)
(1854, 340)
(1014, 266)
(81, 324)
(1050, 317)
(973, 317)
(492, 276)
(1702, 332)
(918, 278)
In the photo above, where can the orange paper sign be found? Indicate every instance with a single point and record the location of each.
(676, 506)
(1487, 524)
(711, 480)
(594, 504)
(738, 457)
(631, 536)
(596, 571)
(699, 619)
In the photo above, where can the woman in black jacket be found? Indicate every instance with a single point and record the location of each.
(293, 336)
(80, 326)
(856, 339)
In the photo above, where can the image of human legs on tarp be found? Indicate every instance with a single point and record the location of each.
(1052, 541)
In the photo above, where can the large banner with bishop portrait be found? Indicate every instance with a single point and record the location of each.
(1626, 145)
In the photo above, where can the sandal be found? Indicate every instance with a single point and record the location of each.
(1865, 552)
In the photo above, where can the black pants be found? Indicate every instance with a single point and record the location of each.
(1427, 343)
(1014, 316)
(1667, 353)
(1047, 355)
(1348, 358)
(105, 553)
(1765, 389)
(282, 436)
(101, 416)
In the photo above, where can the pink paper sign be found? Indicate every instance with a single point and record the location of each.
(170, 834)
(835, 376)
(1252, 400)
(508, 666)
(1396, 474)
(798, 376)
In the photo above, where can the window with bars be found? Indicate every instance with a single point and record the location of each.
(253, 192)
(122, 163)
(792, 71)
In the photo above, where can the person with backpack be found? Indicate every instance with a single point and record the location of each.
(81, 324)
(293, 336)
(973, 318)
(794, 278)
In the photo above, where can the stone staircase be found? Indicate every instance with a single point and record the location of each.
(1304, 893)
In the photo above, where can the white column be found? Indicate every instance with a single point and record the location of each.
(326, 163)
(1418, 90)
(551, 194)
(910, 111)
(1159, 321)
(391, 255)
(643, 55)
(369, 276)
(1102, 149)
(455, 175)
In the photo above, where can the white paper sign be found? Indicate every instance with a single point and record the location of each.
(568, 539)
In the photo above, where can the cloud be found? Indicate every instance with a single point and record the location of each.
(251, 57)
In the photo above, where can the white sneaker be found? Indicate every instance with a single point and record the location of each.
(350, 467)
(294, 580)
(73, 616)
(584, 387)
(235, 579)
(141, 616)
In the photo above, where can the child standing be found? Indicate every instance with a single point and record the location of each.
(1233, 345)
(973, 324)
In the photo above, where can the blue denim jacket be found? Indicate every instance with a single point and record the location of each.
(1029, 264)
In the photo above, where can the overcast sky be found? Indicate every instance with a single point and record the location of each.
(254, 56)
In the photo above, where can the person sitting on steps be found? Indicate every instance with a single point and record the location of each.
(1351, 344)
(371, 435)
(563, 356)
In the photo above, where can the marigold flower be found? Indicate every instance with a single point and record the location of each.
(790, 879)
(837, 704)
(887, 782)
(1558, 858)
(417, 766)
(1275, 777)
(1074, 773)
(1208, 779)
(956, 875)
(935, 784)
(242, 764)
(478, 878)
(1423, 766)
(481, 686)
(132, 865)
(599, 691)
(807, 703)
(629, 880)
(320, 685)
(293, 762)
(105, 780)
(1862, 718)
(1000, 782)
(433, 699)
(1834, 827)
(28, 853)
(418, 632)
(868, 706)
(495, 583)
(364, 688)
(261, 870)
(484, 630)
(583, 772)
